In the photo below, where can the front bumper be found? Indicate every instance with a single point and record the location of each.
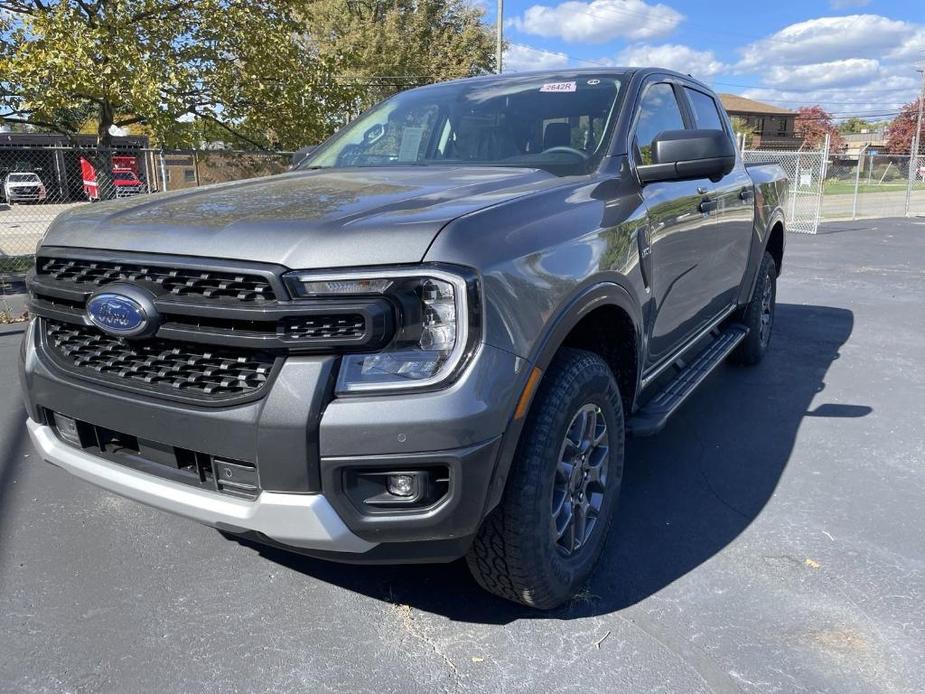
(299, 520)
(26, 196)
(303, 443)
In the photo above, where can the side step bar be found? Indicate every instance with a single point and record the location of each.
(652, 418)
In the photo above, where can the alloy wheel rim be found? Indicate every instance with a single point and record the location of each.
(581, 477)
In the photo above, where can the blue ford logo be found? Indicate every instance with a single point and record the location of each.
(125, 313)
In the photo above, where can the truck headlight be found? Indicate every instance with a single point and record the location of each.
(438, 319)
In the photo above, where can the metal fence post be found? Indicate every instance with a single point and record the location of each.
(823, 172)
(911, 176)
(857, 181)
(163, 170)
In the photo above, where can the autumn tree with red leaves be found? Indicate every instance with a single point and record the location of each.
(812, 123)
(900, 132)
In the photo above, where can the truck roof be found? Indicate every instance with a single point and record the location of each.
(563, 74)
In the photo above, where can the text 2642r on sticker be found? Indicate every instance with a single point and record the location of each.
(558, 87)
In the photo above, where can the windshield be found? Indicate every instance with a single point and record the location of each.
(561, 125)
(23, 178)
(125, 175)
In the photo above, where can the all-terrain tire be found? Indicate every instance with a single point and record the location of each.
(516, 554)
(758, 316)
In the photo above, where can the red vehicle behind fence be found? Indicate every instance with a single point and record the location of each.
(125, 178)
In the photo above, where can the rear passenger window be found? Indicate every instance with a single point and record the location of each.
(706, 114)
(658, 112)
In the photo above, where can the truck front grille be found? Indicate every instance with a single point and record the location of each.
(196, 371)
(189, 282)
(325, 327)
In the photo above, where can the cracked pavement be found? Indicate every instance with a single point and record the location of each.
(769, 540)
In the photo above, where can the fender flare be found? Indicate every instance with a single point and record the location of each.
(757, 253)
(605, 293)
(777, 216)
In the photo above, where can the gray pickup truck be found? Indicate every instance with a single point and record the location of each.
(427, 341)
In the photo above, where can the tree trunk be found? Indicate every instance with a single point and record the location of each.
(103, 159)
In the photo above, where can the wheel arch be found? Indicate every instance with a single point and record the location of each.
(775, 239)
(598, 314)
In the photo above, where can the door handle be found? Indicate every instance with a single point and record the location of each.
(746, 194)
(707, 206)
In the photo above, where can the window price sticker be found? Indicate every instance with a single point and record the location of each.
(558, 87)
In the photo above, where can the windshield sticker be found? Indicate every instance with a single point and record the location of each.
(558, 87)
(410, 143)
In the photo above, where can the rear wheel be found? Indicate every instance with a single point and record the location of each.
(758, 316)
(540, 544)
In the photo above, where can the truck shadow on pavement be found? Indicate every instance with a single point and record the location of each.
(687, 493)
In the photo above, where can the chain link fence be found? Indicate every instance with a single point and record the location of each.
(831, 186)
(806, 171)
(38, 183)
(875, 185)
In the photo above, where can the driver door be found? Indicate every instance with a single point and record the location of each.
(681, 227)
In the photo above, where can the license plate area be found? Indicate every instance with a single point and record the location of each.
(224, 475)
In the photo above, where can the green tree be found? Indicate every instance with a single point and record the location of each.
(243, 66)
(384, 46)
(740, 127)
(854, 125)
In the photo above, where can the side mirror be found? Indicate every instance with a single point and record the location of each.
(300, 154)
(683, 154)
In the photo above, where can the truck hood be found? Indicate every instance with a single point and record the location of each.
(305, 219)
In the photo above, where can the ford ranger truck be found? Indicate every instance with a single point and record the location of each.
(427, 341)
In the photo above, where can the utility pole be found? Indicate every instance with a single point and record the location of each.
(499, 34)
(916, 148)
(918, 124)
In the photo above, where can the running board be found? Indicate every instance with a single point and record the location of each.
(652, 417)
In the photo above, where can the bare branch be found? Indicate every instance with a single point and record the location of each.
(17, 8)
(89, 11)
(231, 130)
(161, 11)
(130, 121)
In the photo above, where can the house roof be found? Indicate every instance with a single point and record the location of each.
(739, 104)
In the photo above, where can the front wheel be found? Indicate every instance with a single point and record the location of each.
(540, 544)
(758, 316)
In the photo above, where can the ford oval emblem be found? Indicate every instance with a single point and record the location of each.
(117, 314)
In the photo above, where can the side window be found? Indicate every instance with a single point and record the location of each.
(658, 111)
(706, 115)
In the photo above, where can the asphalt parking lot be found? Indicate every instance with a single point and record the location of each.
(769, 540)
(23, 225)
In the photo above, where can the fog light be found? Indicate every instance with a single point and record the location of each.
(400, 485)
(67, 429)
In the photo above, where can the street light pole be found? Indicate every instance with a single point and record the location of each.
(499, 36)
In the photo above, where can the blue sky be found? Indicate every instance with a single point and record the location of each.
(854, 57)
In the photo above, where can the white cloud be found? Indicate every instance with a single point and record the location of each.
(519, 57)
(599, 20)
(837, 73)
(700, 64)
(884, 94)
(858, 64)
(912, 49)
(847, 4)
(829, 38)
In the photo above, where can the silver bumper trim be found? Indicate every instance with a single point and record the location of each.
(300, 520)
